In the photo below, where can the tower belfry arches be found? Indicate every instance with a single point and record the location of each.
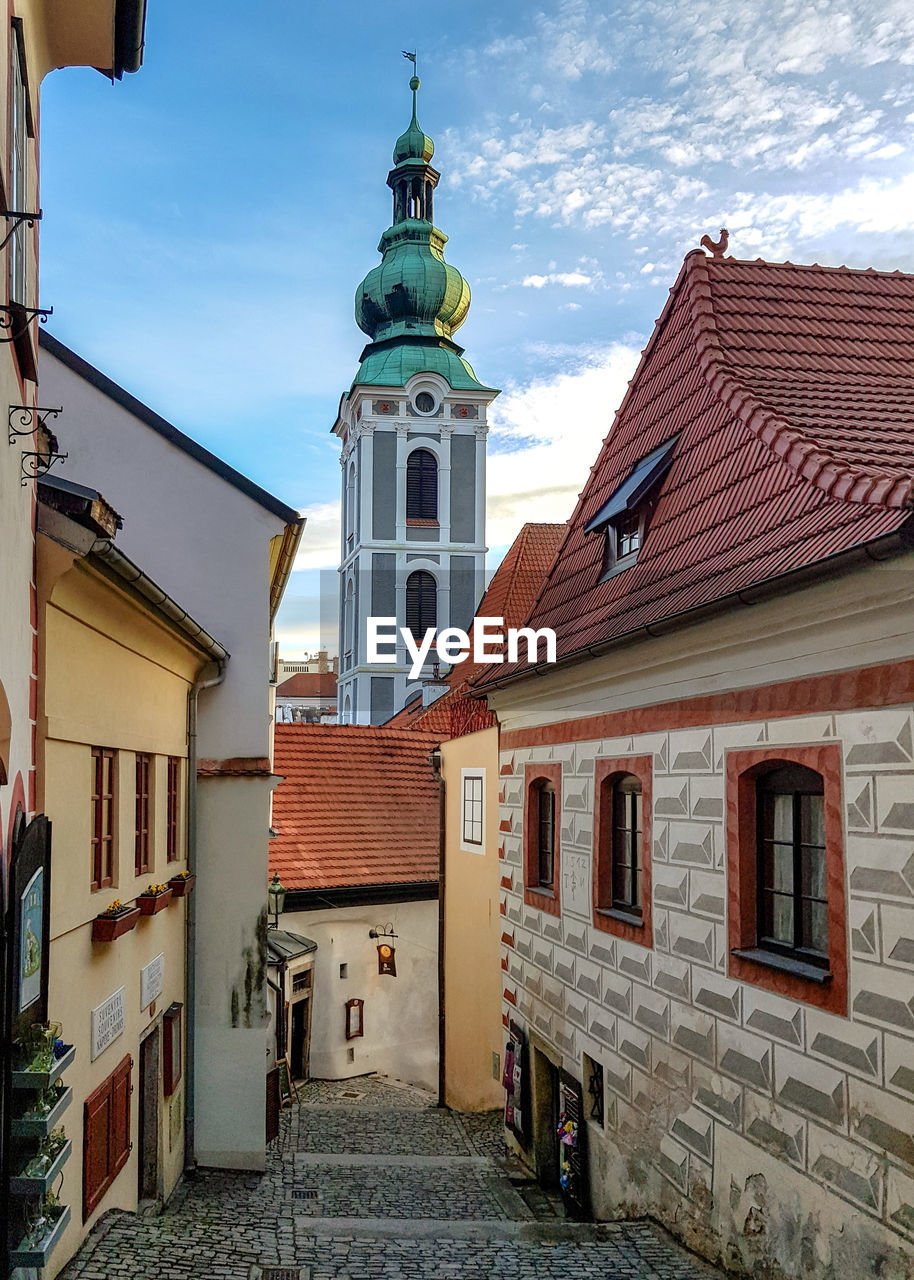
(413, 432)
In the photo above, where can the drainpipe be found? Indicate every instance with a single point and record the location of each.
(435, 761)
(204, 682)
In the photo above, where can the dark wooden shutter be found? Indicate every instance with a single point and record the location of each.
(106, 1135)
(273, 1104)
(422, 485)
(421, 603)
(120, 1117)
(572, 1108)
(97, 1125)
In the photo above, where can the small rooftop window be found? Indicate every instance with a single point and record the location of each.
(623, 517)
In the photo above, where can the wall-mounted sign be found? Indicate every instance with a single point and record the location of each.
(387, 959)
(108, 1022)
(152, 980)
(31, 921)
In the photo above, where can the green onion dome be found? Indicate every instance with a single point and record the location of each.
(413, 144)
(412, 291)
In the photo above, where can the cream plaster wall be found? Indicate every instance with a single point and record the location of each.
(400, 1013)
(764, 1132)
(112, 676)
(473, 1026)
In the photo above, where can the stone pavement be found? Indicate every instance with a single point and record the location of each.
(369, 1181)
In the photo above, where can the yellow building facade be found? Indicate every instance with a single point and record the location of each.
(116, 673)
(474, 1034)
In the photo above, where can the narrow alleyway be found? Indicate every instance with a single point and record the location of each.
(368, 1181)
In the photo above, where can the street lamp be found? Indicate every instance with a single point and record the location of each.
(276, 896)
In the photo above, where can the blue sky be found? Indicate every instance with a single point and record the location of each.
(207, 220)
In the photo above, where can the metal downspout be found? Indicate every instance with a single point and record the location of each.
(435, 761)
(205, 682)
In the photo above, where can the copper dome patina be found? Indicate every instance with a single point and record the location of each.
(411, 304)
(413, 144)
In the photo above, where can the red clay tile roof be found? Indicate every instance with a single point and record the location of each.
(358, 806)
(511, 595)
(791, 392)
(308, 684)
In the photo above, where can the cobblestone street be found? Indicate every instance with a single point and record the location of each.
(368, 1180)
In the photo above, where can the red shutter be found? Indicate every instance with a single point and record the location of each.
(106, 1135)
(95, 1148)
(120, 1117)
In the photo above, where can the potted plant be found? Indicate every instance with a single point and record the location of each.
(153, 899)
(113, 921)
(44, 1228)
(181, 884)
(43, 1057)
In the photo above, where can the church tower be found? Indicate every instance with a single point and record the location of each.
(413, 433)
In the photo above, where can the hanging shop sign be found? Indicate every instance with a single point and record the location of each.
(108, 1022)
(152, 980)
(387, 959)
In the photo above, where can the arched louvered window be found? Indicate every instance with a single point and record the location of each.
(422, 485)
(421, 603)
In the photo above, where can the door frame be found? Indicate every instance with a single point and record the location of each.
(149, 1138)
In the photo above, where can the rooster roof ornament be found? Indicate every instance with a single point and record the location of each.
(716, 248)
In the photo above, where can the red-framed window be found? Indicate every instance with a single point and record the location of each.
(542, 836)
(172, 809)
(141, 851)
(622, 842)
(172, 1048)
(106, 1135)
(787, 911)
(102, 817)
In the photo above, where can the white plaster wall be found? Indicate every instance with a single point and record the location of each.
(400, 1014)
(202, 540)
(207, 545)
(765, 1132)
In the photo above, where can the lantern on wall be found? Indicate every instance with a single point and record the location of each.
(387, 959)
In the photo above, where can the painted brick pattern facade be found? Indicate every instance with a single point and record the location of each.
(694, 1061)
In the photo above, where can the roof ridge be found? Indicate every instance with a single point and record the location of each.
(803, 454)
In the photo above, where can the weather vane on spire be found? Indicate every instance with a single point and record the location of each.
(411, 57)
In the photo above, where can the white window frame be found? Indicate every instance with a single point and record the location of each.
(469, 845)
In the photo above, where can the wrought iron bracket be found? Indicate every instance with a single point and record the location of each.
(36, 465)
(19, 217)
(14, 313)
(25, 414)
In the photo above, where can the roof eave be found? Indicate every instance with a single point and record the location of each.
(884, 548)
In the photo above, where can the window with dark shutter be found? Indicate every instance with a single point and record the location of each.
(422, 485)
(102, 817)
(141, 848)
(106, 1135)
(421, 603)
(171, 816)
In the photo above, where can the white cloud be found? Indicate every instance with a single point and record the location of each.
(320, 544)
(546, 435)
(567, 279)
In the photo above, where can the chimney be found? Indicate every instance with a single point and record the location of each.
(434, 688)
(322, 664)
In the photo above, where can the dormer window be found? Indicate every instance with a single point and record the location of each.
(623, 518)
(627, 534)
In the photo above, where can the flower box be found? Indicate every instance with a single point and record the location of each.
(181, 885)
(24, 1185)
(106, 928)
(151, 903)
(44, 1079)
(33, 1125)
(32, 1253)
